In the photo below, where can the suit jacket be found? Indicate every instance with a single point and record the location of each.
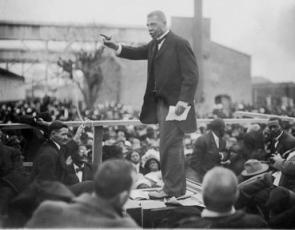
(176, 75)
(49, 163)
(206, 154)
(287, 167)
(71, 176)
(86, 211)
(286, 142)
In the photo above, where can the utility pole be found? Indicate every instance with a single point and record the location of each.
(198, 44)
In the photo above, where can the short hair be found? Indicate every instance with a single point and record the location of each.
(111, 152)
(220, 189)
(216, 124)
(113, 177)
(56, 125)
(159, 14)
(279, 120)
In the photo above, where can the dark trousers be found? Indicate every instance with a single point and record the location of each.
(171, 153)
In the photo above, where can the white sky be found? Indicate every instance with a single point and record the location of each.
(264, 29)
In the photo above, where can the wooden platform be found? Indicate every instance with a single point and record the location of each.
(147, 212)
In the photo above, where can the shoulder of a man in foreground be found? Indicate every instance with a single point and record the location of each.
(47, 214)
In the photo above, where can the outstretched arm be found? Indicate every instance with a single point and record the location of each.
(129, 52)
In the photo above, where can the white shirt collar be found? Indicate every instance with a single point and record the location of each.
(278, 137)
(76, 166)
(57, 145)
(79, 173)
(216, 139)
(210, 213)
(163, 35)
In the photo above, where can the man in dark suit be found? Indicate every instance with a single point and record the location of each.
(77, 170)
(281, 141)
(209, 149)
(171, 81)
(49, 163)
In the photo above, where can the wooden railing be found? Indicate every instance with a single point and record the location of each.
(262, 116)
(98, 130)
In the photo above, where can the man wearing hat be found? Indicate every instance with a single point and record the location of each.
(209, 149)
(253, 167)
(259, 189)
(50, 161)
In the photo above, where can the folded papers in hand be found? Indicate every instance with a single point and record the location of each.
(171, 116)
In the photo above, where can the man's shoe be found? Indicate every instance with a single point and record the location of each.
(158, 195)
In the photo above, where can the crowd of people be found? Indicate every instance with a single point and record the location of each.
(56, 109)
(259, 151)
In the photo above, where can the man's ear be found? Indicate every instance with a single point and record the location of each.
(237, 195)
(52, 133)
(123, 197)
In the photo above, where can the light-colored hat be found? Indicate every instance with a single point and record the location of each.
(150, 154)
(254, 167)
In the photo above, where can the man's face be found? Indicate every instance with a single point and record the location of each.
(135, 157)
(60, 136)
(274, 128)
(156, 27)
(220, 131)
(82, 150)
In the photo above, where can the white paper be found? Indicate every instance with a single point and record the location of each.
(171, 116)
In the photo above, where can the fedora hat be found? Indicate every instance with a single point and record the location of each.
(254, 167)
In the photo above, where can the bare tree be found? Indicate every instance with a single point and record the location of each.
(91, 65)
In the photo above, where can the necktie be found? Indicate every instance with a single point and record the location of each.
(155, 50)
(157, 43)
(79, 169)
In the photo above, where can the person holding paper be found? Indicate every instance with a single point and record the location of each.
(171, 81)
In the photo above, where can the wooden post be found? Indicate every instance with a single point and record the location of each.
(198, 45)
(97, 147)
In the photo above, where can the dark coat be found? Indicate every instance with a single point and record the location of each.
(176, 75)
(49, 163)
(237, 220)
(86, 211)
(206, 154)
(286, 142)
(22, 207)
(287, 167)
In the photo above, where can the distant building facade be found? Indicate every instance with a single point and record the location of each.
(226, 72)
(12, 87)
(271, 94)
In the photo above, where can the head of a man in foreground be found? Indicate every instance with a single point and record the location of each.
(220, 189)
(113, 181)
